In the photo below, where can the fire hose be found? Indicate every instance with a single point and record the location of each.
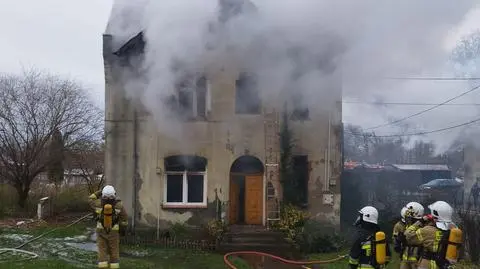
(280, 259)
(34, 255)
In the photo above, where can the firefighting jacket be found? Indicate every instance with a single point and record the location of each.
(407, 251)
(122, 217)
(362, 256)
(398, 236)
(429, 237)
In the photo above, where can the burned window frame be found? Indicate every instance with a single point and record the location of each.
(300, 110)
(185, 173)
(189, 84)
(251, 92)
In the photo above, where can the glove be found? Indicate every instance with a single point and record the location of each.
(427, 218)
(98, 193)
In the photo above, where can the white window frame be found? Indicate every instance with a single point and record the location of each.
(185, 202)
(208, 101)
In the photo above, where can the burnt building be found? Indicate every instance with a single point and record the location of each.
(229, 167)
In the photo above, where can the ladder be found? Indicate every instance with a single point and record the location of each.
(272, 159)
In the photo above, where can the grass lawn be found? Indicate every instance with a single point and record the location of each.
(161, 259)
(53, 254)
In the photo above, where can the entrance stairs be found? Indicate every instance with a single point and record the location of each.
(257, 239)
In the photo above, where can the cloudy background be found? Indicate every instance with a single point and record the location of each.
(65, 37)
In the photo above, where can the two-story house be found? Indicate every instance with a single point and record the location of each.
(226, 161)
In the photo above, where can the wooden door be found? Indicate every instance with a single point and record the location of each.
(233, 202)
(253, 199)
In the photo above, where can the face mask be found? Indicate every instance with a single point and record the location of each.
(358, 221)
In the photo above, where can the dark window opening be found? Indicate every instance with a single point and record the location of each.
(201, 102)
(185, 179)
(300, 111)
(247, 97)
(301, 170)
(195, 188)
(174, 188)
(192, 102)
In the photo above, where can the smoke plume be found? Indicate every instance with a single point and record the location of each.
(307, 45)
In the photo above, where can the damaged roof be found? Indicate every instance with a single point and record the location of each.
(134, 46)
(227, 10)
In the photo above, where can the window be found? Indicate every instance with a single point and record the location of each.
(193, 97)
(247, 97)
(300, 110)
(185, 181)
(301, 170)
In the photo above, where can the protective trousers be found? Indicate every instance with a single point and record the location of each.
(427, 264)
(108, 249)
(408, 265)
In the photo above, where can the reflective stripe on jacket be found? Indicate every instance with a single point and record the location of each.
(361, 253)
(428, 237)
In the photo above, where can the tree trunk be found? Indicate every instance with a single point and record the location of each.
(22, 192)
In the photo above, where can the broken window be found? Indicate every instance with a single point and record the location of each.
(301, 170)
(193, 97)
(185, 180)
(300, 111)
(247, 96)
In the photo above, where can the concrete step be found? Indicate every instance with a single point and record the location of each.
(261, 247)
(252, 239)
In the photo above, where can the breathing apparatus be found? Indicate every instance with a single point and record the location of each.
(108, 208)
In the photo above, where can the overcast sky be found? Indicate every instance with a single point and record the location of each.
(61, 36)
(65, 37)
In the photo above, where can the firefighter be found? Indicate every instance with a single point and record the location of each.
(433, 232)
(112, 221)
(398, 232)
(410, 253)
(365, 249)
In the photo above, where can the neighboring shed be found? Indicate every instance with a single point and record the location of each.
(386, 187)
(423, 173)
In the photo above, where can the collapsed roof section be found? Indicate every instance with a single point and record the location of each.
(228, 9)
(134, 46)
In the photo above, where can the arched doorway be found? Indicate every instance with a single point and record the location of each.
(246, 191)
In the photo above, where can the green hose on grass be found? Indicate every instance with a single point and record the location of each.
(33, 255)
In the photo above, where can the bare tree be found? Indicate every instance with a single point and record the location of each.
(33, 106)
(87, 158)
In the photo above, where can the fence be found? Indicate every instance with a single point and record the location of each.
(207, 245)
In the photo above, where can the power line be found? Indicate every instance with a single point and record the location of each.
(408, 104)
(422, 133)
(431, 78)
(425, 110)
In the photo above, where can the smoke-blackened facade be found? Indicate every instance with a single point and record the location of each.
(221, 161)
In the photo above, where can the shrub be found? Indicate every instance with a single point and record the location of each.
(316, 238)
(216, 229)
(470, 224)
(292, 219)
(71, 200)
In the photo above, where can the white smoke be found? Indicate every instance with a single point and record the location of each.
(363, 41)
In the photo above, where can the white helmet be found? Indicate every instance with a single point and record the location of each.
(369, 214)
(108, 192)
(416, 208)
(402, 213)
(442, 212)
